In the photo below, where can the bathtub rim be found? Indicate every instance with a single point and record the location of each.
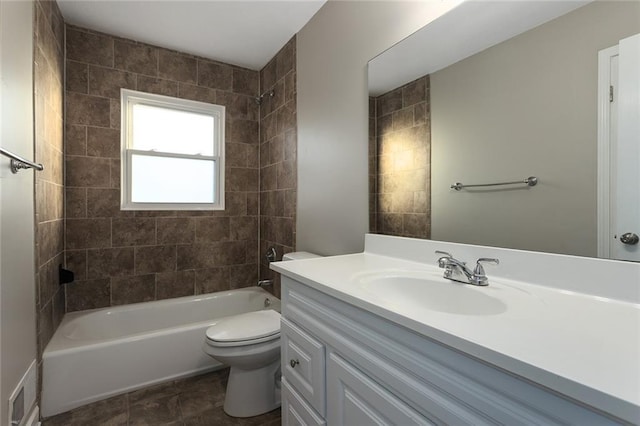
(60, 344)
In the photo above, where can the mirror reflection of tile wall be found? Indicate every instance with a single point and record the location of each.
(399, 161)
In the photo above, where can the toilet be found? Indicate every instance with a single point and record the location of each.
(250, 344)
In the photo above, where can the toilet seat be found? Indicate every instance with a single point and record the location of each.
(245, 329)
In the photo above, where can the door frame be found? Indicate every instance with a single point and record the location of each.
(604, 152)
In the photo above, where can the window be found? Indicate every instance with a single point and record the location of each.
(172, 153)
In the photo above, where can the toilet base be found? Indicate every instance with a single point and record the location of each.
(252, 392)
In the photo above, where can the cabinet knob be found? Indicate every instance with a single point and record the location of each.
(293, 363)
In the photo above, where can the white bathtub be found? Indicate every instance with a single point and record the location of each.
(98, 353)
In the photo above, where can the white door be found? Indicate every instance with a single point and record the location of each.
(626, 225)
(619, 151)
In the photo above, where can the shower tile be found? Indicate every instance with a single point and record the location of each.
(88, 294)
(237, 106)
(268, 75)
(211, 229)
(175, 284)
(157, 86)
(212, 280)
(243, 275)
(243, 131)
(89, 47)
(76, 140)
(245, 81)
(176, 230)
(85, 109)
(174, 66)
(242, 179)
(134, 232)
(285, 59)
(389, 102)
(215, 75)
(76, 261)
(133, 289)
(197, 93)
(88, 233)
(135, 57)
(105, 202)
(236, 203)
(253, 203)
(107, 82)
(114, 113)
(155, 259)
(286, 175)
(77, 77)
(103, 142)
(414, 92)
(244, 228)
(403, 118)
(87, 172)
(94, 218)
(104, 263)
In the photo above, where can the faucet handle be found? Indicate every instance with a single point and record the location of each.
(441, 262)
(479, 277)
(443, 253)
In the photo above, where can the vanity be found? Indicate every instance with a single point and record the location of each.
(380, 337)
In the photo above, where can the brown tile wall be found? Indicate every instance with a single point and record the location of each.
(124, 257)
(373, 168)
(402, 166)
(49, 190)
(278, 158)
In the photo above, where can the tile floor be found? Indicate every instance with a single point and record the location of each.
(196, 401)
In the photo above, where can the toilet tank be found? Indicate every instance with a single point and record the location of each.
(299, 255)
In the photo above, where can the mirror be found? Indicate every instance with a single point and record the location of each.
(495, 92)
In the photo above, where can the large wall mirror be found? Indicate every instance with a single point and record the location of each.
(495, 92)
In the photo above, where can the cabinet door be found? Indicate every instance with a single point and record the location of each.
(353, 398)
(303, 363)
(295, 411)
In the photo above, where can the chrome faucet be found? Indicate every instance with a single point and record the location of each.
(457, 270)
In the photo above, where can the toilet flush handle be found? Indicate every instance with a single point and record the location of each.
(293, 363)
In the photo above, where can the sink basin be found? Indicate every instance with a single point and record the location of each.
(424, 290)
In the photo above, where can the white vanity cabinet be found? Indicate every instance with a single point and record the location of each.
(343, 365)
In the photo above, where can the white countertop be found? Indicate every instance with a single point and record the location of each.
(586, 347)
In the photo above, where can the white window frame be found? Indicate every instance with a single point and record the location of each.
(129, 98)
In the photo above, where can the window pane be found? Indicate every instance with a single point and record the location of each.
(171, 180)
(169, 130)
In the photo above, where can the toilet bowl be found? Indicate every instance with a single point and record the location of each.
(250, 344)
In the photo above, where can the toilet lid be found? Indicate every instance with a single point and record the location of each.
(245, 327)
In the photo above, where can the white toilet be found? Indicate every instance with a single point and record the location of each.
(250, 344)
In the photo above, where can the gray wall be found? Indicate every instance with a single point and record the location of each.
(332, 54)
(17, 280)
(525, 107)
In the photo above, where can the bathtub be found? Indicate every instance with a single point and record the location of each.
(99, 353)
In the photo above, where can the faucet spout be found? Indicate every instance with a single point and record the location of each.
(457, 270)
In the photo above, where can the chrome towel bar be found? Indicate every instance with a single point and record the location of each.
(530, 181)
(18, 162)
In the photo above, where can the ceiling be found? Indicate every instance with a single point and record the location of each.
(471, 27)
(238, 32)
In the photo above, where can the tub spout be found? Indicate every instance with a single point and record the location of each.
(263, 283)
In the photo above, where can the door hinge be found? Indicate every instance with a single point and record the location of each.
(610, 93)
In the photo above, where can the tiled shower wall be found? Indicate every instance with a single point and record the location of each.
(402, 166)
(278, 158)
(49, 190)
(124, 257)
